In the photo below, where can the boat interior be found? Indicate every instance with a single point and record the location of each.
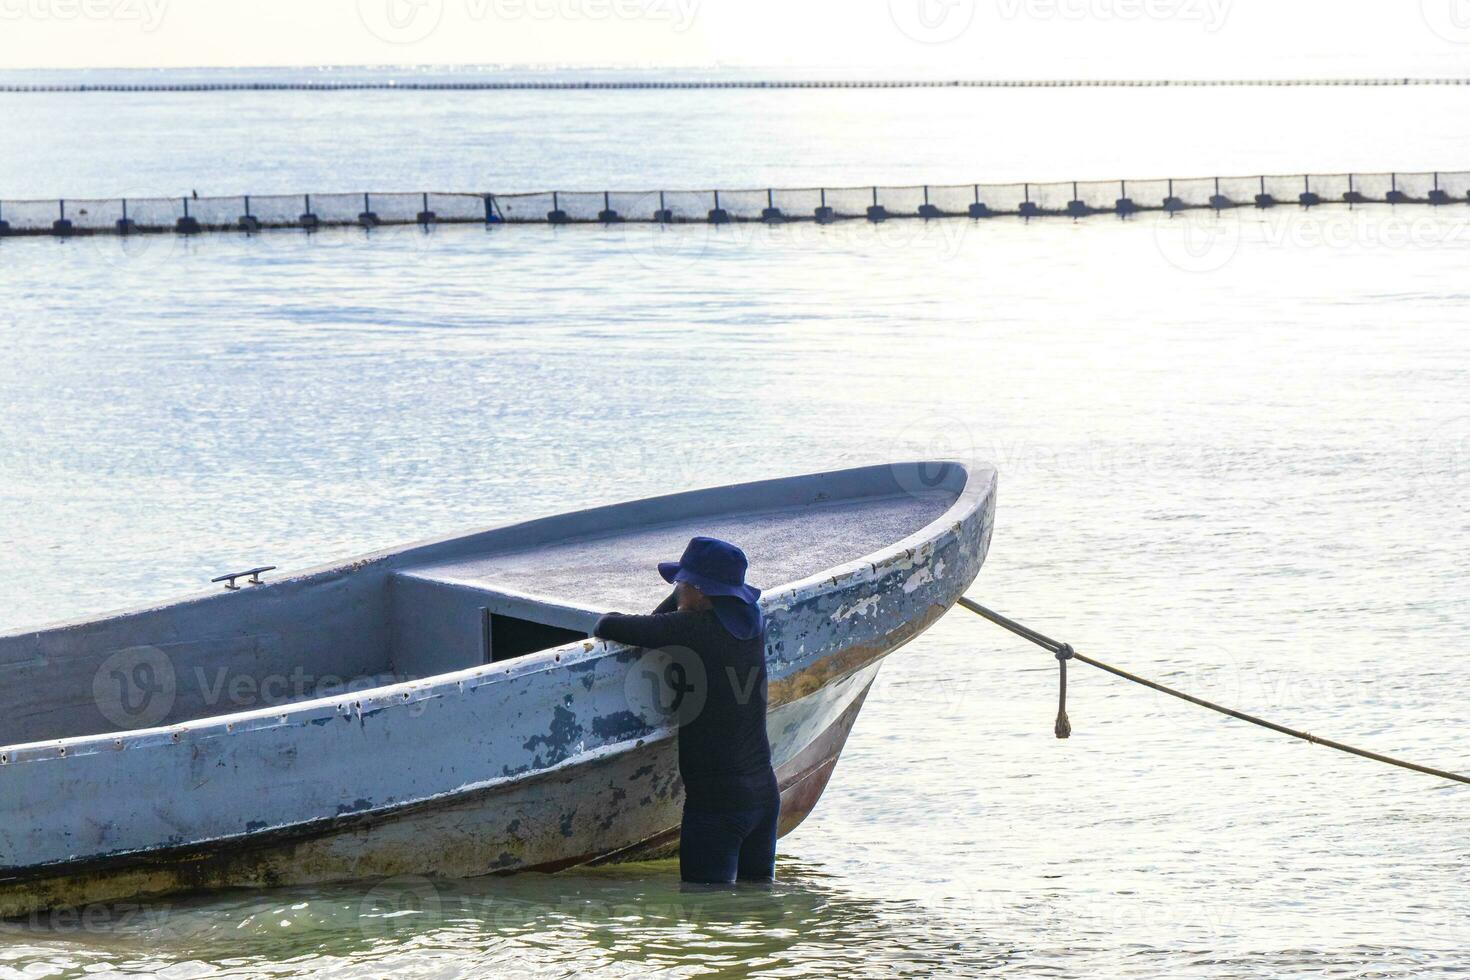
(444, 606)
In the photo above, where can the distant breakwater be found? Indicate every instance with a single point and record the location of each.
(636, 85)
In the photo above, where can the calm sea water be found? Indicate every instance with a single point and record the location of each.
(1234, 455)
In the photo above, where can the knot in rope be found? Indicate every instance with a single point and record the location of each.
(1063, 727)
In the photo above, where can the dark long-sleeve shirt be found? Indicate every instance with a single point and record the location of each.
(724, 753)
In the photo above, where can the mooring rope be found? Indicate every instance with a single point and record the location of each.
(1064, 652)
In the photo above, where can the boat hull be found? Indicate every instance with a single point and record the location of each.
(623, 807)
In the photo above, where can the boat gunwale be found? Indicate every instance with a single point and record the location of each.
(979, 481)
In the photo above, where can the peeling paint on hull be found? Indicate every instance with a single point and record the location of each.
(627, 807)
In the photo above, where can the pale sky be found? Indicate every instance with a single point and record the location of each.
(978, 38)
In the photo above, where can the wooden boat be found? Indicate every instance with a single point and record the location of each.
(439, 709)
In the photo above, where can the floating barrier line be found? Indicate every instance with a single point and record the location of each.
(1073, 199)
(653, 84)
(1064, 652)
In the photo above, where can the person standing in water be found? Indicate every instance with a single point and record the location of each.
(731, 799)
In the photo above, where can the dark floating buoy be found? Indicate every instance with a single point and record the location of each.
(425, 217)
(1124, 205)
(1028, 207)
(927, 210)
(1354, 197)
(61, 226)
(1076, 207)
(1438, 196)
(1172, 203)
(367, 217)
(1264, 200)
(824, 214)
(556, 215)
(979, 210)
(187, 225)
(248, 223)
(771, 214)
(125, 225)
(308, 219)
(607, 215)
(1219, 201)
(1395, 196)
(717, 214)
(664, 215)
(876, 211)
(1307, 199)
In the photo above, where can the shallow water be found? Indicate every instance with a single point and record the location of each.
(1234, 455)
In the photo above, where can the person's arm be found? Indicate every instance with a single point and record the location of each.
(658, 630)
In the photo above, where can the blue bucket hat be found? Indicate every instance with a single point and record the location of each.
(717, 568)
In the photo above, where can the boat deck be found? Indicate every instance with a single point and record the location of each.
(617, 571)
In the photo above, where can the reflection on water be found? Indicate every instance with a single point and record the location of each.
(632, 920)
